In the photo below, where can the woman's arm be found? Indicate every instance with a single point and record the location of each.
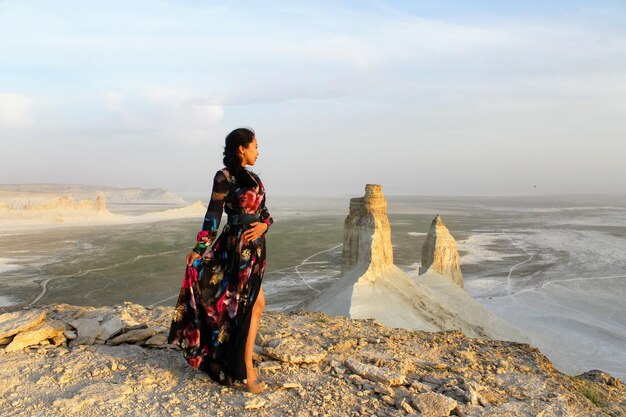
(213, 214)
(259, 228)
(265, 214)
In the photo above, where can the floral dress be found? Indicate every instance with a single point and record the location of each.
(212, 314)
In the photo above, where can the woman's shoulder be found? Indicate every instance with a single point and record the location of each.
(222, 175)
(223, 172)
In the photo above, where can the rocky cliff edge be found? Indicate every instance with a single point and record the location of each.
(113, 361)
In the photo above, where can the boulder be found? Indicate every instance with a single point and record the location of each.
(134, 336)
(294, 351)
(432, 404)
(157, 340)
(601, 377)
(375, 373)
(269, 366)
(19, 321)
(110, 328)
(86, 331)
(47, 330)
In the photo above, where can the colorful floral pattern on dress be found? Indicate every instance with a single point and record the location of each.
(218, 291)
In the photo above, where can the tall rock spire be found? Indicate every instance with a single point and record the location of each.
(101, 206)
(371, 286)
(440, 254)
(367, 234)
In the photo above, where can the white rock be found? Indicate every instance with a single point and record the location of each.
(406, 407)
(371, 286)
(86, 331)
(432, 404)
(375, 373)
(34, 336)
(18, 321)
(440, 253)
(157, 340)
(255, 403)
(269, 366)
(419, 387)
(110, 328)
(367, 233)
(294, 351)
(291, 385)
(134, 336)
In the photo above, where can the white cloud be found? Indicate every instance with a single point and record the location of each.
(361, 81)
(113, 100)
(161, 109)
(15, 110)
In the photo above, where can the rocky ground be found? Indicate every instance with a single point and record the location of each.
(113, 361)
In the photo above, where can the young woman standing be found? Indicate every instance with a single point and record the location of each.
(221, 300)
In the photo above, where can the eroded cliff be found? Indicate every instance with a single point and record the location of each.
(371, 286)
(367, 234)
(440, 253)
(65, 203)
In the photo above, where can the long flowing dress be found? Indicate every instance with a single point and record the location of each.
(213, 311)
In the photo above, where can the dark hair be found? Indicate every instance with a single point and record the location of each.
(238, 137)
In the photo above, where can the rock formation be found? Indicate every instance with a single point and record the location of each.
(367, 234)
(101, 206)
(440, 254)
(314, 364)
(41, 207)
(371, 286)
(64, 203)
(13, 193)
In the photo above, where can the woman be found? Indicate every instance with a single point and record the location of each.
(221, 299)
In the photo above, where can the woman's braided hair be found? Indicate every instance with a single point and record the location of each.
(239, 137)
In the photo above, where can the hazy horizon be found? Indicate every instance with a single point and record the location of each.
(204, 194)
(425, 98)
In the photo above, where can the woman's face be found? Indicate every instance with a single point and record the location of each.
(250, 153)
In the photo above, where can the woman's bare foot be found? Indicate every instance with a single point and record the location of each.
(255, 387)
(253, 384)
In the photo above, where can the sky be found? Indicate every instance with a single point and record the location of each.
(424, 98)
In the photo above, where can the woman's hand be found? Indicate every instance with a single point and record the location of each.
(253, 233)
(192, 257)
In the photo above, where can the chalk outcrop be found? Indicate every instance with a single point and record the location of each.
(43, 206)
(44, 193)
(191, 210)
(367, 234)
(101, 206)
(61, 204)
(371, 286)
(440, 253)
(350, 368)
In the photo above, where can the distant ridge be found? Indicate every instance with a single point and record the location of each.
(83, 191)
